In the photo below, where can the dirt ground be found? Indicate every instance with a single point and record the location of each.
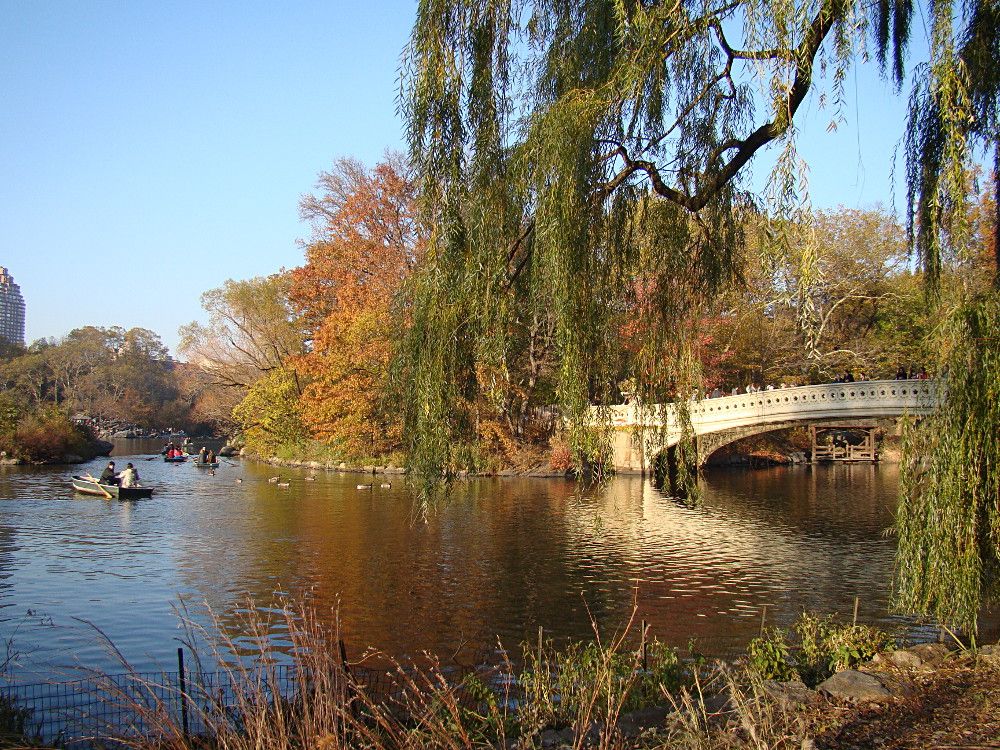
(953, 709)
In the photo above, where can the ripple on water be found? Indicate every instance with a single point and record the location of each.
(499, 558)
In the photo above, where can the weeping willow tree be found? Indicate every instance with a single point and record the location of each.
(948, 518)
(589, 159)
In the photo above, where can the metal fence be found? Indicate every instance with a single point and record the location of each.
(108, 709)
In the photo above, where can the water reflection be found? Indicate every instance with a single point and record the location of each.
(498, 559)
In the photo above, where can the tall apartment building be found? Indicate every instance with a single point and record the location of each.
(11, 309)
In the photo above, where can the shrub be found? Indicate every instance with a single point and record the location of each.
(49, 437)
(17, 725)
(819, 646)
(769, 656)
(561, 458)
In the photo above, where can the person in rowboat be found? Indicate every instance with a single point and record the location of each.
(108, 476)
(210, 458)
(129, 477)
(201, 455)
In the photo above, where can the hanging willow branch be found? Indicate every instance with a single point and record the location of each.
(586, 159)
(948, 517)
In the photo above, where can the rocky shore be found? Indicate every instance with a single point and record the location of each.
(924, 696)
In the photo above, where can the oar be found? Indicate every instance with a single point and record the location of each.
(106, 493)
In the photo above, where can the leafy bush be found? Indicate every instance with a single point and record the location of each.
(769, 656)
(561, 457)
(49, 437)
(814, 649)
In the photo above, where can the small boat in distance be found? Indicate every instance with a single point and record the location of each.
(93, 487)
(175, 459)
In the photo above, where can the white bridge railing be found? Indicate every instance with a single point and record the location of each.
(871, 399)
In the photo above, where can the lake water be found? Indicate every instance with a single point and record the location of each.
(497, 559)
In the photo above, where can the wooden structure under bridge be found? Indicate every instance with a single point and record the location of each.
(832, 451)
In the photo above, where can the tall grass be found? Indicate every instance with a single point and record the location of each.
(584, 691)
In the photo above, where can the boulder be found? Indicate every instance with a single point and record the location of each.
(905, 659)
(227, 451)
(791, 694)
(930, 653)
(557, 737)
(990, 654)
(854, 686)
(635, 723)
(72, 458)
(103, 448)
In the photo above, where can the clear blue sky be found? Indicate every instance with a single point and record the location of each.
(149, 151)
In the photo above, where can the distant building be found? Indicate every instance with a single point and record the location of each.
(11, 309)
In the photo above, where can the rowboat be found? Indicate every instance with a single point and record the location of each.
(93, 487)
(175, 459)
(206, 464)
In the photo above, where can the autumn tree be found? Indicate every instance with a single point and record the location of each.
(105, 372)
(365, 243)
(864, 306)
(251, 332)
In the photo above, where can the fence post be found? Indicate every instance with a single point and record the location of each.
(352, 697)
(857, 600)
(643, 643)
(541, 636)
(184, 699)
(763, 619)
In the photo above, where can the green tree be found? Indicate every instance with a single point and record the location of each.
(587, 159)
(269, 416)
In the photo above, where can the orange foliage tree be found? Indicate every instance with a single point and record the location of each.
(365, 243)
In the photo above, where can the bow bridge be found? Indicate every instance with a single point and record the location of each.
(641, 433)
